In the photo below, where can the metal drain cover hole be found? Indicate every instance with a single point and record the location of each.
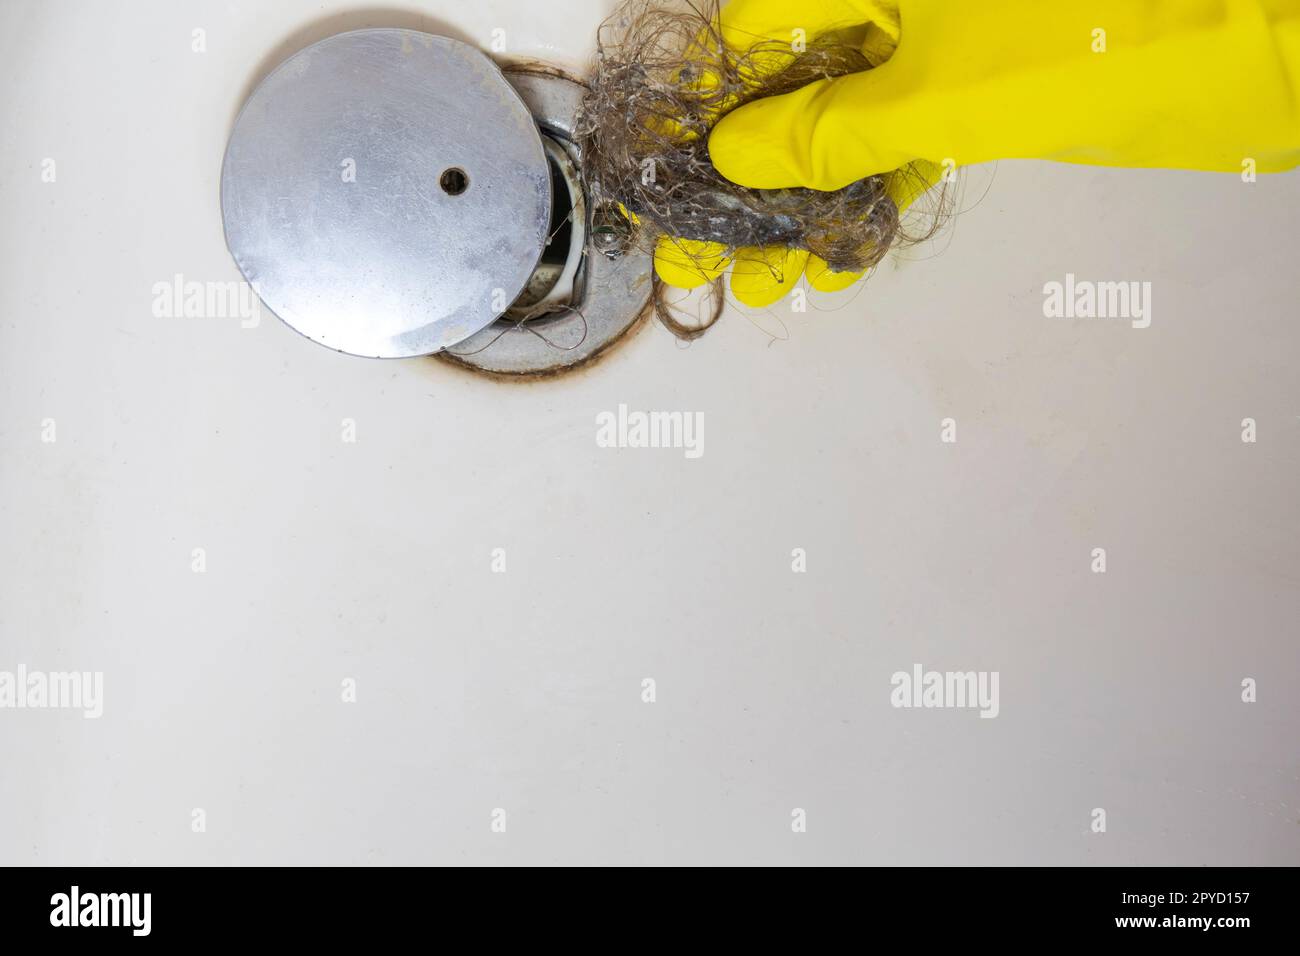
(454, 181)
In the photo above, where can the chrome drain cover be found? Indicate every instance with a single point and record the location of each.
(386, 192)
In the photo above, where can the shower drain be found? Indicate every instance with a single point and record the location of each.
(393, 194)
(611, 280)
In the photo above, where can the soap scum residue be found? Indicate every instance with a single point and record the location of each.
(662, 78)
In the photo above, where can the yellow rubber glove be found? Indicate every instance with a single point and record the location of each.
(1199, 84)
(1193, 84)
(760, 277)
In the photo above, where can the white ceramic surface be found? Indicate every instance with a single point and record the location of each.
(372, 560)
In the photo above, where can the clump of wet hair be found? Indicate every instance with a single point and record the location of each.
(662, 78)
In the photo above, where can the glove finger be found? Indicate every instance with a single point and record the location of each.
(908, 183)
(820, 136)
(777, 31)
(821, 278)
(760, 277)
(904, 186)
(687, 263)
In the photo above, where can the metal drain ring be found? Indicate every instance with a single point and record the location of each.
(613, 293)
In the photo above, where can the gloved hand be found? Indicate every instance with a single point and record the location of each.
(1197, 84)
